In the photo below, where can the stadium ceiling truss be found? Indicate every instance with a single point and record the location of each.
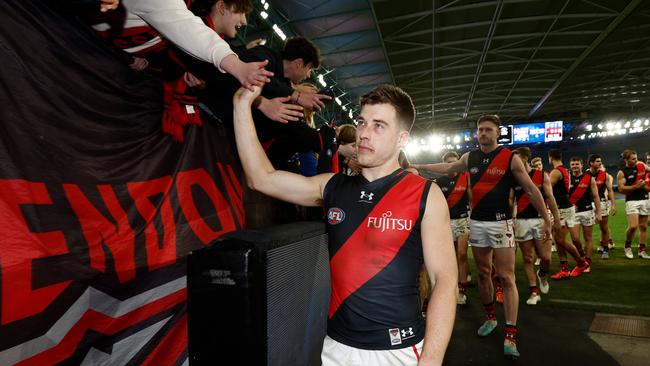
(522, 59)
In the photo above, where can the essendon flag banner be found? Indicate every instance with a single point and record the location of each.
(98, 208)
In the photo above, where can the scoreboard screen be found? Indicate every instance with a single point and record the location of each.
(531, 133)
(505, 135)
(528, 133)
(553, 131)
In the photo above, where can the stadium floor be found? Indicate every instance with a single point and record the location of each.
(545, 338)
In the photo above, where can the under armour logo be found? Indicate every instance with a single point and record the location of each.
(407, 333)
(368, 196)
(486, 160)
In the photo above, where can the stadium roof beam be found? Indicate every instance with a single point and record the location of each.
(621, 16)
(532, 56)
(486, 48)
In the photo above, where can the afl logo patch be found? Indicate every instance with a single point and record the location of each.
(335, 216)
(474, 170)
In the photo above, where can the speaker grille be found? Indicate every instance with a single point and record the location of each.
(298, 290)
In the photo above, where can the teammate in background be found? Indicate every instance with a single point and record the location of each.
(493, 173)
(584, 196)
(631, 183)
(456, 188)
(607, 201)
(561, 183)
(647, 176)
(536, 163)
(381, 225)
(529, 229)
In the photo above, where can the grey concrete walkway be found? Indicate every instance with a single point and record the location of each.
(547, 337)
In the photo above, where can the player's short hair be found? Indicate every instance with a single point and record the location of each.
(523, 152)
(450, 154)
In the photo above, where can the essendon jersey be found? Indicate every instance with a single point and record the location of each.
(525, 209)
(491, 179)
(601, 182)
(134, 35)
(455, 191)
(580, 192)
(561, 188)
(632, 176)
(375, 252)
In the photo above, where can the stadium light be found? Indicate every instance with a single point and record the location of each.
(264, 14)
(350, 114)
(338, 101)
(321, 80)
(266, 6)
(413, 148)
(344, 108)
(456, 139)
(589, 127)
(279, 32)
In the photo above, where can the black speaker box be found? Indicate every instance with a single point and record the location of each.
(260, 297)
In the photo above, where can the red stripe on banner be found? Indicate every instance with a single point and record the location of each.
(524, 200)
(459, 190)
(101, 232)
(200, 178)
(171, 347)
(351, 266)
(235, 193)
(159, 252)
(104, 324)
(487, 182)
(580, 190)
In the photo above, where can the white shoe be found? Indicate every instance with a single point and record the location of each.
(644, 255)
(461, 299)
(628, 253)
(538, 261)
(534, 299)
(543, 283)
(553, 248)
(605, 255)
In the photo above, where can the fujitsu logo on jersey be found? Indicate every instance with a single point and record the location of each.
(386, 222)
(495, 171)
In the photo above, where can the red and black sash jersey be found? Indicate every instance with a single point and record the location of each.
(580, 192)
(491, 179)
(601, 182)
(632, 176)
(375, 249)
(561, 189)
(525, 209)
(455, 191)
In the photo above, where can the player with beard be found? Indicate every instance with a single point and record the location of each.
(607, 201)
(561, 183)
(632, 183)
(457, 191)
(584, 196)
(493, 173)
(529, 229)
